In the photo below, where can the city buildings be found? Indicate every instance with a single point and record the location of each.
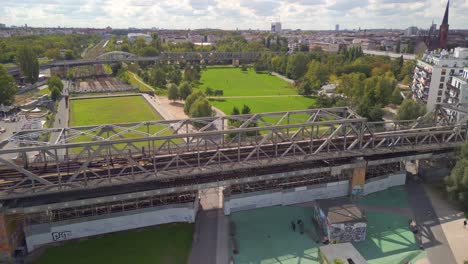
(337, 27)
(411, 31)
(2, 25)
(457, 88)
(132, 37)
(438, 76)
(276, 27)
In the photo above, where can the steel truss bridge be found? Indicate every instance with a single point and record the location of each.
(120, 56)
(160, 153)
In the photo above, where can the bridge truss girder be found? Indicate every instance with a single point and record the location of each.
(96, 156)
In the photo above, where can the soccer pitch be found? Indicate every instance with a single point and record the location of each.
(110, 110)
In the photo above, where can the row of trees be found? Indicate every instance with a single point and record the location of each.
(180, 92)
(55, 85)
(160, 75)
(196, 105)
(7, 87)
(50, 46)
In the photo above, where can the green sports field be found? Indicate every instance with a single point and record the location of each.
(169, 243)
(266, 104)
(110, 110)
(235, 82)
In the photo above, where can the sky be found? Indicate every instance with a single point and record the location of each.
(232, 14)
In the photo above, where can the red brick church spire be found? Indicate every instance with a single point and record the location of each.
(443, 30)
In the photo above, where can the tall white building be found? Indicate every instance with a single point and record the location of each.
(276, 27)
(438, 75)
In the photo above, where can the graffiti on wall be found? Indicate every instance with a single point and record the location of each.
(348, 232)
(61, 236)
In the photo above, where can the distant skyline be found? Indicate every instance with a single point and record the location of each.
(242, 14)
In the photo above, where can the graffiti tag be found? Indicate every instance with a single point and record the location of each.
(60, 236)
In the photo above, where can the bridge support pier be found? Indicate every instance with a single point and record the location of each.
(11, 235)
(358, 180)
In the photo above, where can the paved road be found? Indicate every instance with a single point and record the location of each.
(61, 119)
(433, 238)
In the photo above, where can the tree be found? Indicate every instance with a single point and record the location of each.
(55, 93)
(245, 109)
(29, 64)
(305, 88)
(218, 93)
(235, 111)
(457, 182)
(173, 92)
(191, 99)
(243, 67)
(53, 54)
(209, 91)
(115, 68)
(158, 76)
(297, 66)
(396, 96)
(175, 76)
(410, 109)
(55, 81)
(69, 54)
(185, 90)
(7, 87)
(201, 108)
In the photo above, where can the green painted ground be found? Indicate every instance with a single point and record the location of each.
(162, 244)
(235, 82)
(264, 236)
(111, 110)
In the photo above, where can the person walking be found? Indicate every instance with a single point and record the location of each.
(465, 223)
(293, 226)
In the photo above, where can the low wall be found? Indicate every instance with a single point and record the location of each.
(246, 201)
(37, 235)
(384, 182)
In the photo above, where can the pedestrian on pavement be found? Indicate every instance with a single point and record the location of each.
(293, 226)
(464, 224)
(59, 121)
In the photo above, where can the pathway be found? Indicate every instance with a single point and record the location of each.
(61, 119)
(283, 77)
(432, 236)
(451, 220)
(253, 96)
(140, 81)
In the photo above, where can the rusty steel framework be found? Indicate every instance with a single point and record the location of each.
(89, 157)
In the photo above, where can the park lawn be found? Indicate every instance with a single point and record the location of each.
(136, 81)
(111, 110)
(235, 82)
(168, 243)
(266, 104)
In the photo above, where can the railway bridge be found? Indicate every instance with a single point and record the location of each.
(120, 56)
(94, 172)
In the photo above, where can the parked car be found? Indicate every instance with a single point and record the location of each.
(2, 130)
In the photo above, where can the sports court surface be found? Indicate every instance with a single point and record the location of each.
(265, 236)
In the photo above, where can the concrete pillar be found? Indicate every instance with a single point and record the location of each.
(11, 235)
(358, 180)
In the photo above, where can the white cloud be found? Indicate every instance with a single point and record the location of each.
(304, 14)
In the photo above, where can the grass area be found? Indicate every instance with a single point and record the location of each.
(162, 244)
(110, 110)
(235, 82)
(44, 91)
(136, 81)
(267, 104)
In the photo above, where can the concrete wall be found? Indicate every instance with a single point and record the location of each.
(254, 200)
(382, 183)
(41, 234)
(247, 201)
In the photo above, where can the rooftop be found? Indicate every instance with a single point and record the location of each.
(341, 210)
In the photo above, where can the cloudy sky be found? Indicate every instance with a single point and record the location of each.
(232, 14)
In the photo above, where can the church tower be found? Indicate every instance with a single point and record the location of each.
(443, 30)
